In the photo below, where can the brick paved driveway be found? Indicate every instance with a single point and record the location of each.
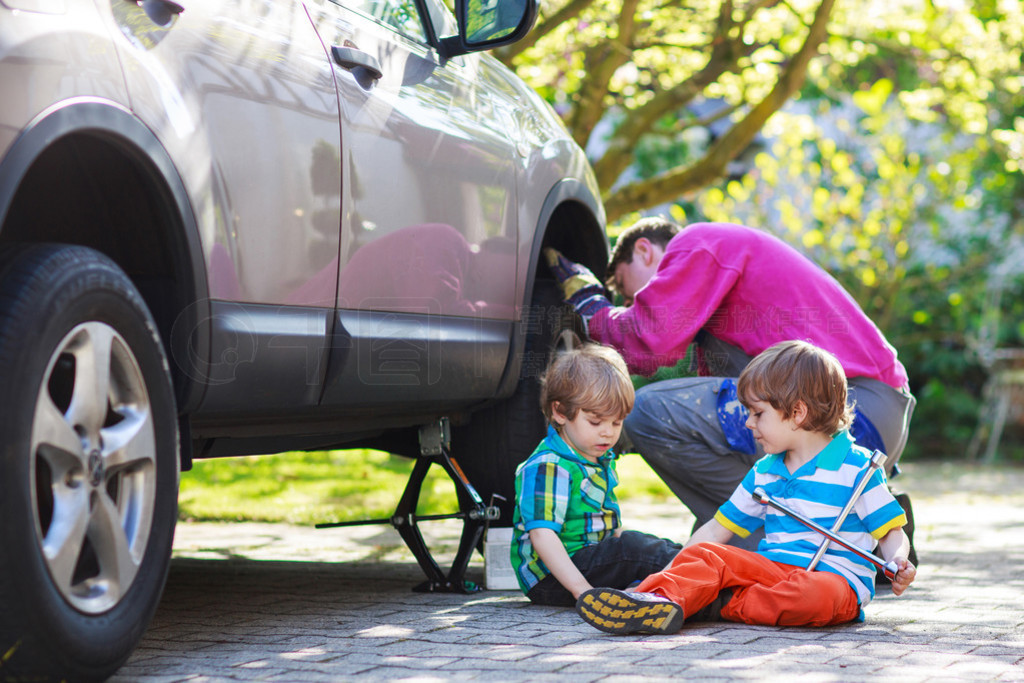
(280, 603)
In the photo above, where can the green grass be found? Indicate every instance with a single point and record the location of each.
(637, 481)
(335, 486)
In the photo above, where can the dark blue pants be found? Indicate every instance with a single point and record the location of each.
(616, 562)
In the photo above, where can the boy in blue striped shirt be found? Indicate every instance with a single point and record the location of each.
(796, 395)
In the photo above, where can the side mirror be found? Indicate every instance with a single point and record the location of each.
(487, 24)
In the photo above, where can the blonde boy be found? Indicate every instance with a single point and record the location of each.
(796, 395)
(568, 534)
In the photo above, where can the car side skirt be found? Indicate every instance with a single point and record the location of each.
(295, 374)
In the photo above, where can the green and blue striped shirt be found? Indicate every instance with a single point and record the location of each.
(559, 489)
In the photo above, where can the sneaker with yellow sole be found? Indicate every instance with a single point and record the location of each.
(616, 611)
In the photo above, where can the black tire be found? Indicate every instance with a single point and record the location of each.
(88, 464)
(501, 436)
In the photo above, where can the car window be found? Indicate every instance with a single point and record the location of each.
(400, 15)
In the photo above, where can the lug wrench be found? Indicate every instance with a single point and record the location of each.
(877, 460)
(889, 568)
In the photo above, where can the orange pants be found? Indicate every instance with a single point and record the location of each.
(764, 592)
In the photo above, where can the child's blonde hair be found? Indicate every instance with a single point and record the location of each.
(793, 371)
(591, 377)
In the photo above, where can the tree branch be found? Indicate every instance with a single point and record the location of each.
(705, 121)
(601, 62)
(725, 56)
(569, 11)
(681, 181)
(619, 153)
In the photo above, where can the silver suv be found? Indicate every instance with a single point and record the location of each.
(247, 227)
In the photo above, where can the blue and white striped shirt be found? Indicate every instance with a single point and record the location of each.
(819, 490)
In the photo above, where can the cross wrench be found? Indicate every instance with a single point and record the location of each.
(889, 568)
(877, 460)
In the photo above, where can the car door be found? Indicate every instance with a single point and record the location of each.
(240, 94)
(428, 243)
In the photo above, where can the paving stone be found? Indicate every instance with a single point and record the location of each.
(283, 603)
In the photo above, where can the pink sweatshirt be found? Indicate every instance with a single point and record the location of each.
(749, 289)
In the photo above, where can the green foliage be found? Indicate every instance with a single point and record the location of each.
(324, 487)
(306, 488)
(683, 368)
(658, 151)
(880, 201)
(899, 168)
(638, 482)
(624, 74)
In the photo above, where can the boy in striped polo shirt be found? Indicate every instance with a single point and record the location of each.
(796, 395)
(568, 532)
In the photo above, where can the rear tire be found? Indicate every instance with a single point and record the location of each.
(500, 437)
(88, 464)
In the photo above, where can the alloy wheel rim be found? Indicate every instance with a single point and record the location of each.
(93, 467)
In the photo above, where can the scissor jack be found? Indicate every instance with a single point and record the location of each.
(435, 439)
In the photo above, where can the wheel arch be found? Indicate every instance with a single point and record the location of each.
(572, 221)
(59, 182)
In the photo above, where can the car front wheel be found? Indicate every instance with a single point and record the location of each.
(89, 468)
(498, 438)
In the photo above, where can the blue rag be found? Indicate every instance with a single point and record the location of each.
(732, 416)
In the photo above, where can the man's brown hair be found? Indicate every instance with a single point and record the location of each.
(793, 371)
(657, 229)
(591, 377)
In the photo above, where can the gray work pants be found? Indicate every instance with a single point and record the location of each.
(674, 426)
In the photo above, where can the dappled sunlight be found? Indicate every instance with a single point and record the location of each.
(386, 631)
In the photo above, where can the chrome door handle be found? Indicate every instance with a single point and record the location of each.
(350, 58)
